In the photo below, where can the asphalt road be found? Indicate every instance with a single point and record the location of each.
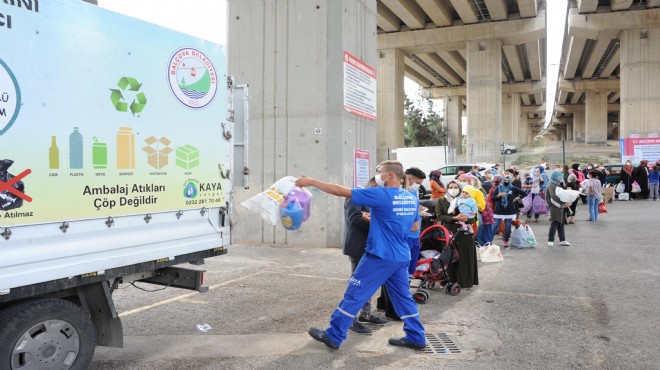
(593, 305)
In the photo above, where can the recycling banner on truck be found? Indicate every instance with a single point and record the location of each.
(105, 115)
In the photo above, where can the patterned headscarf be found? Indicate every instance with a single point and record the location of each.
(505, 188)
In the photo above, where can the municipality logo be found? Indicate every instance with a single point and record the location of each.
(190, 189)
(192, 78)
(10, 98)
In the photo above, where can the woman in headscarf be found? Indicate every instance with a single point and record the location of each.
(437, 188)
(489, 230)
(464, 271)
(642, 178)
(558, 210)
(505, 208)
(627, 176)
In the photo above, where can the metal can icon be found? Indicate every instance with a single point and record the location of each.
(99, 154)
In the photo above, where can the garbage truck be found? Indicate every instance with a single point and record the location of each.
(116, 166)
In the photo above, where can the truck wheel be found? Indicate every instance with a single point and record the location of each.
(508, 151)
(422, 192)
(46, 334)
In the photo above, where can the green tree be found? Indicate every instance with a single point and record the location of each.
(422, 124)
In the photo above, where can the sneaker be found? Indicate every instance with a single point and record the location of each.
(319, 335)
(564, 243)
(371, 319)
(551, 244)
(360, 329)
(505, 244)
(402, 342)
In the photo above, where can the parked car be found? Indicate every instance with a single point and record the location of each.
(450, 171)
(615, 173)
(509, 149)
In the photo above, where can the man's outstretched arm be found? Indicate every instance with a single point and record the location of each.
(334, 189)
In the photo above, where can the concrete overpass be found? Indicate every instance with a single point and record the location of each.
(483, 56)
(608, 83)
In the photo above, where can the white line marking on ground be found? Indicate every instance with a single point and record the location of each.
(318, 277)
(184, 296)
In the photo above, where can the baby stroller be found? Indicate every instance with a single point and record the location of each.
(437, 252)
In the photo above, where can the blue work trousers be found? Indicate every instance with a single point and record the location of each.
(371, 273)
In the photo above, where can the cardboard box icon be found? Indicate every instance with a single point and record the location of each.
(157, 151)
(187, 157)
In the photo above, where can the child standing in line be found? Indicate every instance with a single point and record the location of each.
(654, 183)
(466, 206)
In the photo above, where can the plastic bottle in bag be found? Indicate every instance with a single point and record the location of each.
(291, 215)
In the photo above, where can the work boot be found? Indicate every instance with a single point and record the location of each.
(402, 342)
(360, 329)
(319, 335)
(371, 319)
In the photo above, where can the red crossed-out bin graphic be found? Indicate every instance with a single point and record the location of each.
(9, 185)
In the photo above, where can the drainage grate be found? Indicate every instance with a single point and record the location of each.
(442, 344)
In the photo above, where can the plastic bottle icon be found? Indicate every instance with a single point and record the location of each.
(53, 154)
(99, 154)
(75, 149)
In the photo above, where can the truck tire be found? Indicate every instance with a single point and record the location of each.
(508, 151)
(46, 334)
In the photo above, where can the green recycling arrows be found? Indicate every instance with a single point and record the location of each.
(117, 98)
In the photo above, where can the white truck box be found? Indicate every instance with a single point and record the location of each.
(115, 159)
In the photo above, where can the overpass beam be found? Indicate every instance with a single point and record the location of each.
(454, 116)
(484, 94)
(595, 117)
(640, 61)
(390, 102)
(511, 118)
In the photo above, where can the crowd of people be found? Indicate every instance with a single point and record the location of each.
(383, 223)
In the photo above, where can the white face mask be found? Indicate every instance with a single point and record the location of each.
(453, 192)
(379, 181)
(414, 187)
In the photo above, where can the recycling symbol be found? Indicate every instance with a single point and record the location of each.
(117, 98)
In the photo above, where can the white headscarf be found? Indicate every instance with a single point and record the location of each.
(450, 199)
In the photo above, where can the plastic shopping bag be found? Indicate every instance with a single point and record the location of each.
(268, 202)
(601, 208)
(491, 253)
(636, 188)
(291, 214)
(303, 197)
(527, 204)
(620, 188)
(522, 237)
(539, 206)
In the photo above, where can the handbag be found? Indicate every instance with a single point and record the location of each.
(601, 208)
(487, 215)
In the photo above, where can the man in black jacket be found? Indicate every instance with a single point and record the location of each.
(356, 230)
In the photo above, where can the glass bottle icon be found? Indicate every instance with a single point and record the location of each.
(99, 154)
(75, 149)
(53, 154)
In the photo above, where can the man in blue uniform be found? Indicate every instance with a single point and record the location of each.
(386, 258)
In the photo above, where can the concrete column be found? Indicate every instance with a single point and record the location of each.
(290, 52)
(595, 127)
(569, 132)
(454, 117)
(578, 127)
(390, 101)
(640, 63)
(523, 130)
(510, 118)
(484, 99)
